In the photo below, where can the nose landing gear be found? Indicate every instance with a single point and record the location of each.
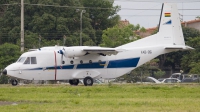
(14, 82)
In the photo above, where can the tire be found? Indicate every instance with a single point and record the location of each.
(14, 82)
(88, 81)
(74, 82)
(71, 82)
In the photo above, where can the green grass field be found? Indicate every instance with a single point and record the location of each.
(100, 98)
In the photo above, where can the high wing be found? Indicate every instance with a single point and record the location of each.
(102, 51)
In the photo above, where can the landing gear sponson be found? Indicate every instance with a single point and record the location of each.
(87, 81)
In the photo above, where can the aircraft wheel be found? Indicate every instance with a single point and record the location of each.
(71, 82)
(74, 82)
(88, 81)
(14, 82)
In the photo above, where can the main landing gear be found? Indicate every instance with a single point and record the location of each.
(74, 82)
(88, 81)
(14, 82)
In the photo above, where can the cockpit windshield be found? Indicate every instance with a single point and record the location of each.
(27, 61)
(30, 60)
(21, 59)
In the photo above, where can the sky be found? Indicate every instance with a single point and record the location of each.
(188, 9)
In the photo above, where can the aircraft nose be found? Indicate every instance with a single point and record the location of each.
(4, 72)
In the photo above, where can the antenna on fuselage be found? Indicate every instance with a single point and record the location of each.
(160, 17)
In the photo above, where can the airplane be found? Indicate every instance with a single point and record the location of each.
(88, 63)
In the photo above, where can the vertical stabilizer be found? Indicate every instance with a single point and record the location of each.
(170, 28)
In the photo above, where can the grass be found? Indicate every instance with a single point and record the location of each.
(100, 98)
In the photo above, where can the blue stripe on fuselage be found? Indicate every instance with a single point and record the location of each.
(62, 67)
(123, 63)
(91, 65)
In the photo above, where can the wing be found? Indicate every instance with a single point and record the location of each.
(102, 51)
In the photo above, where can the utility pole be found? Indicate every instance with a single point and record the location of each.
(22, 25)
(40, 38)
(81, 14)
(64, 39)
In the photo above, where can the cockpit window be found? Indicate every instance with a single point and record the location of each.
(30, 60)
(21, 59)
(33, 60)
(27, 60)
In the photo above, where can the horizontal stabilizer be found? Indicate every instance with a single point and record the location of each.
(179, 47)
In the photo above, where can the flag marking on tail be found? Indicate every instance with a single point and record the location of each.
(167, 14)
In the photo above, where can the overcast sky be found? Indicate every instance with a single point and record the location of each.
(150, 18)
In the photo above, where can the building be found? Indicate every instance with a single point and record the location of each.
(192, 24)
(123, 23)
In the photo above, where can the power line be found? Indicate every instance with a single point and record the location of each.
(160, 1)
(77, 7)
(155, 15)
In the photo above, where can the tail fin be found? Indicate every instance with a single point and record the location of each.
(170, 30)
(170, 26)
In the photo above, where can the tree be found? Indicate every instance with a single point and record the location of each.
(159, 74)
(9, 53)
(52, 22)
(191, 59)
(116, 36)
(103, 18)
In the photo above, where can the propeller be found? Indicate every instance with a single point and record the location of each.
(62, 53)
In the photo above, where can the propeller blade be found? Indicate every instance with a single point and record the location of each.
(61, 59)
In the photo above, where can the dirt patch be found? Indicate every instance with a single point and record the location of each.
(7, 103)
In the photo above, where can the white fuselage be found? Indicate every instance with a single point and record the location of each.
(49, 64)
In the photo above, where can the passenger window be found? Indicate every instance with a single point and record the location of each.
(27, 60)
(33, 60)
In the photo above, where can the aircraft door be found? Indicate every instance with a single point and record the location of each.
(111, 66)
(49, 63)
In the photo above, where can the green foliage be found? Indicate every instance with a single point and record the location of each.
(159, 74)
(116, 36)
(195, 68)
(191, 60)
(101, 19)
(52, 23)
(4, 79)
(9, 53)
(190, 33)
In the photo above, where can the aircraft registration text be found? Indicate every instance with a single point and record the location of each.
(146, 52)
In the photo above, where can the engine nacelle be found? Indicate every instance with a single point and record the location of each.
(74, 52)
